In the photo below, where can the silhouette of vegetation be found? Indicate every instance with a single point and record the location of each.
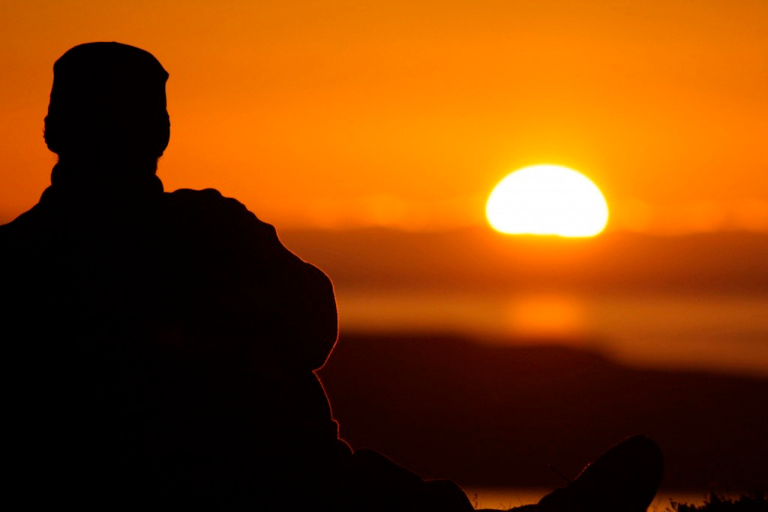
(716, 502)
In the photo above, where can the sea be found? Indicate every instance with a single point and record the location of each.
(723, 333)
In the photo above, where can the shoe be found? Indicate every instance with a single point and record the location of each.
(623, 479)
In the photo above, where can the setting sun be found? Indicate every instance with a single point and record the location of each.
(547, 200)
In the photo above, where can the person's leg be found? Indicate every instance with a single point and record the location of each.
(375, 483)
(623, 479)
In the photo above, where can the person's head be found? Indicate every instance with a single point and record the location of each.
(107, 105)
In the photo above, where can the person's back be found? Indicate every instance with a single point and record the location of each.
(158, 343)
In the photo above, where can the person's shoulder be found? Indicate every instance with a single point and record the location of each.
(206, 198)
(6, 231)
(209, 207)
(25, 223)
(24, 242)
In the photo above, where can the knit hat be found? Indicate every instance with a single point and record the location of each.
(107, 99)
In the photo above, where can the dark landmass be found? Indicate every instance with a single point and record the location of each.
(481, 259)
(486, 415)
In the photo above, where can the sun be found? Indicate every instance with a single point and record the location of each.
(547, 200)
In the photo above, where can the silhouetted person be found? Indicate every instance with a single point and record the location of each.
(164, 344)
(160, 348)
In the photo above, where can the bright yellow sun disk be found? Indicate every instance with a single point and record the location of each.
(547, 200)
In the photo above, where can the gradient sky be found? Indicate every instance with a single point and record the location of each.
(403, 113)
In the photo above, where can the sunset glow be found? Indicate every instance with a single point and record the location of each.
(370, 134)
(310, 112)
(474, 238)
(547, 200)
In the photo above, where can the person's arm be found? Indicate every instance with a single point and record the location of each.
(264, 293)
(302, 305)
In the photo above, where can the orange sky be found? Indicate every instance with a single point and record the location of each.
(406, 113)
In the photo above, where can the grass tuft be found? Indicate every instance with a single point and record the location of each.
(715, 502)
